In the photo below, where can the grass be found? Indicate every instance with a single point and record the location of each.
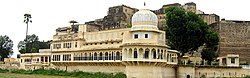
(13, 75)
(51, 73)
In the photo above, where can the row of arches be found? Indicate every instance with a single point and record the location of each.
(114, 55)
(145, 53)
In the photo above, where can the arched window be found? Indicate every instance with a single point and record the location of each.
(161, 54)
(168, 57)
(154, 53)
(81, 57)
(140, 53)
(85, 56)
(188, 76)
(117, 55)
(164, 54)
(125, 53)
(110, 57)
(106, 56)
(146, 53)
(135, 53)
(130, 53)
(90, 56)
(100, 57)
(158, 54)
(121, 56)
(95, 56)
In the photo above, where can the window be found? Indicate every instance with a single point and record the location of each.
(76, 44)
(81, 56)
(46, 59)
(56, 58)
(233, 60)
(67, 45)
(42, 58)
(118, 56)
(146, 35)
(135, 54)
(135, 36)
(27, 61)
(146, 54)
(56, 46)
(66, 57)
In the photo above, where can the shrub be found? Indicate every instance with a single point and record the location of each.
(4, 70)
(65, 73)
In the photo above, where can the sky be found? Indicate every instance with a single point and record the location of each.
(47, 15)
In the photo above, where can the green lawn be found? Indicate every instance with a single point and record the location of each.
(12, 75)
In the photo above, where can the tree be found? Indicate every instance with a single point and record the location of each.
(185, 31)
(33, 44)
(27, 19)
(6, 45)
(211, 45)
(73, 26)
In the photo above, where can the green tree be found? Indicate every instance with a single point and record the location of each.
(27, 20)
(209, 52)
(6, 45)
(185, 31)
(33, 44)
(73, 26)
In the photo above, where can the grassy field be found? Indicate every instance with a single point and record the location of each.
(12, 75)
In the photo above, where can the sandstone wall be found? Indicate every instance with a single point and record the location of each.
(184, 71)
(144, 71)
(221, 72)
(211, 72)
(96, 68)
(235, 39)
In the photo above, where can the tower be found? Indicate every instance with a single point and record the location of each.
(145, 53)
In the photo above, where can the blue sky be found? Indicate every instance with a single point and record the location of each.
(47, 15)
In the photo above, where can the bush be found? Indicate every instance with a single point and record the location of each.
(4, 70)
(65, 73)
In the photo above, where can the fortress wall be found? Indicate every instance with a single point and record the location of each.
(145, 71)
(211, 71)
(87, 68)
(221, 72)
(235, 39)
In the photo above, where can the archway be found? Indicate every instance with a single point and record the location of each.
(154, 53)
(146, 53)
(85, 56)
(95, 56)
(130, 53)
(100, 57)
(118, 56)
(106, 55)
(135, 53)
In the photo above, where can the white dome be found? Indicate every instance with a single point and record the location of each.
(144, 19)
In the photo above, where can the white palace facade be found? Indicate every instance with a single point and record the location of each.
(134, 51)
(139, 52)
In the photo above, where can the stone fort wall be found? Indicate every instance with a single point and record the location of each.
(144, 71)
(212, 72)
(234, 39)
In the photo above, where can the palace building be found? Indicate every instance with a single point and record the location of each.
(139, 52)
